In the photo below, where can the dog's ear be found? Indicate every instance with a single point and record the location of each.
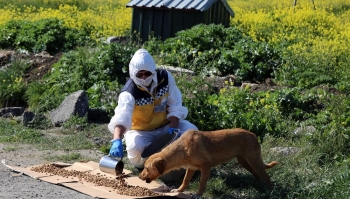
(159, 165)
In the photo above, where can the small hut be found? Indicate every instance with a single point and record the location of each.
(163, 18)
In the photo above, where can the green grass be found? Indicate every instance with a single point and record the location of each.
(10, 148)
(12, 132)
(68, 158)
(66, 139)
(320, 169)
(70, 142)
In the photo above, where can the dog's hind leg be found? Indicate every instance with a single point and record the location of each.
(186, 181)
(259, 168)
(266, 178)
(257, 164)
(245, 165)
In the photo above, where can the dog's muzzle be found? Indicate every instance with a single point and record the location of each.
(148, 180)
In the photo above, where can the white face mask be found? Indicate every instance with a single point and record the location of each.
(144, 82)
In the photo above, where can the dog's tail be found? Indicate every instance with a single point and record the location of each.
(271, 164)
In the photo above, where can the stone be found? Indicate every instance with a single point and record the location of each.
(308, 130)
(285, 150)
(28, 117)
(11, 111)
(76, 104)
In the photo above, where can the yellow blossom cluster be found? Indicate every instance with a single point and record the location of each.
(319, 31)
(104, 20)
(272, 4)
(271, 21)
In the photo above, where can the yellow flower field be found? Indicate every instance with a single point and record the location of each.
(103, 19)
(304, 29)
(315, 32)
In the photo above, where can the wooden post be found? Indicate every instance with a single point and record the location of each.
(313, 3)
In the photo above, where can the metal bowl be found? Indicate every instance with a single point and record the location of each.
(111, 165)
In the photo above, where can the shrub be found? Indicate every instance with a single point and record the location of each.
(12, 85)
(203, 50)
(195, 94)
(262, 112)
(34, 93)
(43, 35)
(100, 71)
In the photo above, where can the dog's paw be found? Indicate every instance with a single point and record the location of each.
(175, 190)
(195, 196)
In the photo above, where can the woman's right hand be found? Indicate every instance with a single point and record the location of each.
(117, 148)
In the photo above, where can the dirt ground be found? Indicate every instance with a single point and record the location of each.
(40, 64)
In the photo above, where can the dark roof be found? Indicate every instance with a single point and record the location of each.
(201, 5)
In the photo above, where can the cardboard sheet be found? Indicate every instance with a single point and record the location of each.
(91, 189)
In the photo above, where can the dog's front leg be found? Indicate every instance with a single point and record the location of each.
(186, 181)
(205, 173)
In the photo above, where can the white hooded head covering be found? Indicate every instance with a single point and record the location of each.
(142, 60)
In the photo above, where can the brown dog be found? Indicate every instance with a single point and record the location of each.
(201, 150)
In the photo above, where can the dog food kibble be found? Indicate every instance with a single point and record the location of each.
(118, 184)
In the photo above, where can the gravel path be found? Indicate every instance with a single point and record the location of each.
(15, 185)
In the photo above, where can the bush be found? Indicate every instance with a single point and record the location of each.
(12, 86)
(203, 50)
(262, 112)
(100, 71)
(195, 94)
(43, 35)
(34, 93)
